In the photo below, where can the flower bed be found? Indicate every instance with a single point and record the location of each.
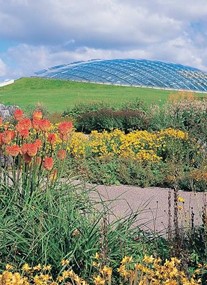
(162, 158)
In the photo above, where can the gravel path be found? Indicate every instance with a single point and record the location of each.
(152, 203)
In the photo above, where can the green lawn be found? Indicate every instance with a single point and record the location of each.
(58, 95)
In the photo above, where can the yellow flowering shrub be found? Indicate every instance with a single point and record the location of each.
(139, 145)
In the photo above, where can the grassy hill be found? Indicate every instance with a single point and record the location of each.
(58, 95)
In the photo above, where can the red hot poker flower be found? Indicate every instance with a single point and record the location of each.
(1, 121)
(24, 134)
(61, 154)
(24, 124)
(52, 138)
(37, 115)
(36, 124)
(24, 148)
(7, 136)
(18, 114)
(32, 149)
(48, 163)
(13, 150)
(65, 127)
(38, 143)
(44, 125)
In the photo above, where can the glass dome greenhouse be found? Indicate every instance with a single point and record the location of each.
(131, 72)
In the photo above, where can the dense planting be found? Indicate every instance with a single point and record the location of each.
(149, 270)
(45, 217)
(143, 158)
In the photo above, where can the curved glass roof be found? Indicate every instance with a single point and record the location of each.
(131, 72)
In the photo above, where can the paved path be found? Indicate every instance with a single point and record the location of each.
(152, 203)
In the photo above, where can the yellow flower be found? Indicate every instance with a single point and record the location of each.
(106, 270)
(26, 267)
(46, 267)
(37, 267)
(9, 267)
(126, 259)
(64, 262)
(181, 199)
(148, 259)
(97, 255)
(98, 280)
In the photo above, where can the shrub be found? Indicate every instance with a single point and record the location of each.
(82, 108)
(185, 113)
(108, 119)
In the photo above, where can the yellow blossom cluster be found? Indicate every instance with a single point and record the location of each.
(150, 270)
(139, 145)
(153, 271)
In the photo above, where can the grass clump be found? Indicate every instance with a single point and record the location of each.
(44, 216)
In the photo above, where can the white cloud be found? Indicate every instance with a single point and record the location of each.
(50, 32)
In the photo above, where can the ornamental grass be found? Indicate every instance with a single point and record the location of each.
(44, 216)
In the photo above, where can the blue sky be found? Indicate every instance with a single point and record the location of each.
(36, 34)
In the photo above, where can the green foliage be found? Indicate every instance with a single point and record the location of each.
(117, 171)
(62, 221)
(108, 119)
(143, 174)
(186, 115)
(83, 108)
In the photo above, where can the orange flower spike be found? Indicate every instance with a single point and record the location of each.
(7, 136)
(48, 163)
(18, 114)
(1, 121)
(36, 124)
(13, 150)
(38, 143)
(32, 149)
(65, 127)
(44, 125)
(24, 124)
(24, 148)
(61, 154)
(37, 115)
(24, 134)
(52, 138)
